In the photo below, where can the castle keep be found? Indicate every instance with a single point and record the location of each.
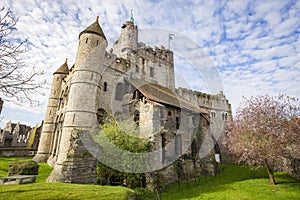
(134, 81)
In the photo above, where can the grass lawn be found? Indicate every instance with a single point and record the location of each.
(43, 190)
(234, 183)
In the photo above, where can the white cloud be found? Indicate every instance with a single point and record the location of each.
(255, 45)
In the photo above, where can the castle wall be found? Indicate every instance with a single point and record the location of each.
(220, 114)
(114, 79)
(155, 66)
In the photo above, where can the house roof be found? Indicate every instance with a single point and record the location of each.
(164, 95)
(94, 28)
(64, 69)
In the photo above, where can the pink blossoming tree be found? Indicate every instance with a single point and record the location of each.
(264, 131)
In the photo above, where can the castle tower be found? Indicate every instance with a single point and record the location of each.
(48, 125)
(81, 109)
(127, 41)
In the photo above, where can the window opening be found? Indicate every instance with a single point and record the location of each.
(105, 87)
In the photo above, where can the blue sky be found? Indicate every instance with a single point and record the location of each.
(254, 45)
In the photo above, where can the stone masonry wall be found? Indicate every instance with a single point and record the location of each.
(79, 165)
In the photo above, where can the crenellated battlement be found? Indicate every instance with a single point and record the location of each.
(205, 100)
(156, 54)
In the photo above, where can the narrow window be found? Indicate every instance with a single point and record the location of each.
(105, 87)
(177, 122)
(151, 72)
(137, 69)
(97, 42)
(224, 116)
(136, 95)
(86, 40)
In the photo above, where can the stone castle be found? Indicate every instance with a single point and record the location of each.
(135, 81)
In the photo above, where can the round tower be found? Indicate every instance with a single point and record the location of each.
(127, 41)
(82, 106)
(49, 120)
(85, 82)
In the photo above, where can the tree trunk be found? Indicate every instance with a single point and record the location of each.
(270, 172)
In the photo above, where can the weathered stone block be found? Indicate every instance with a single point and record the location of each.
(24, 167)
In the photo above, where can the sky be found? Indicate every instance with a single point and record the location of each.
(253, 46)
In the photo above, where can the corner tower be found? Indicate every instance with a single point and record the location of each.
(81, 109)
(49, 120)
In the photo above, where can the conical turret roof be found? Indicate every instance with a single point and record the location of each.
(94, 28)
(64, 69)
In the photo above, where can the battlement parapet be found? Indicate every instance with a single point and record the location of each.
(202, 98)
(156, 54)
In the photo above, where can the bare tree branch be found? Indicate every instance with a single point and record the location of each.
(18, 82)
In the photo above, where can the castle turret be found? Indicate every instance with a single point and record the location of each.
(49, 120)
(81, 109)
(127, 41)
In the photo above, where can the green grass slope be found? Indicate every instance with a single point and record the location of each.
(43, 190)
(234, 183)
